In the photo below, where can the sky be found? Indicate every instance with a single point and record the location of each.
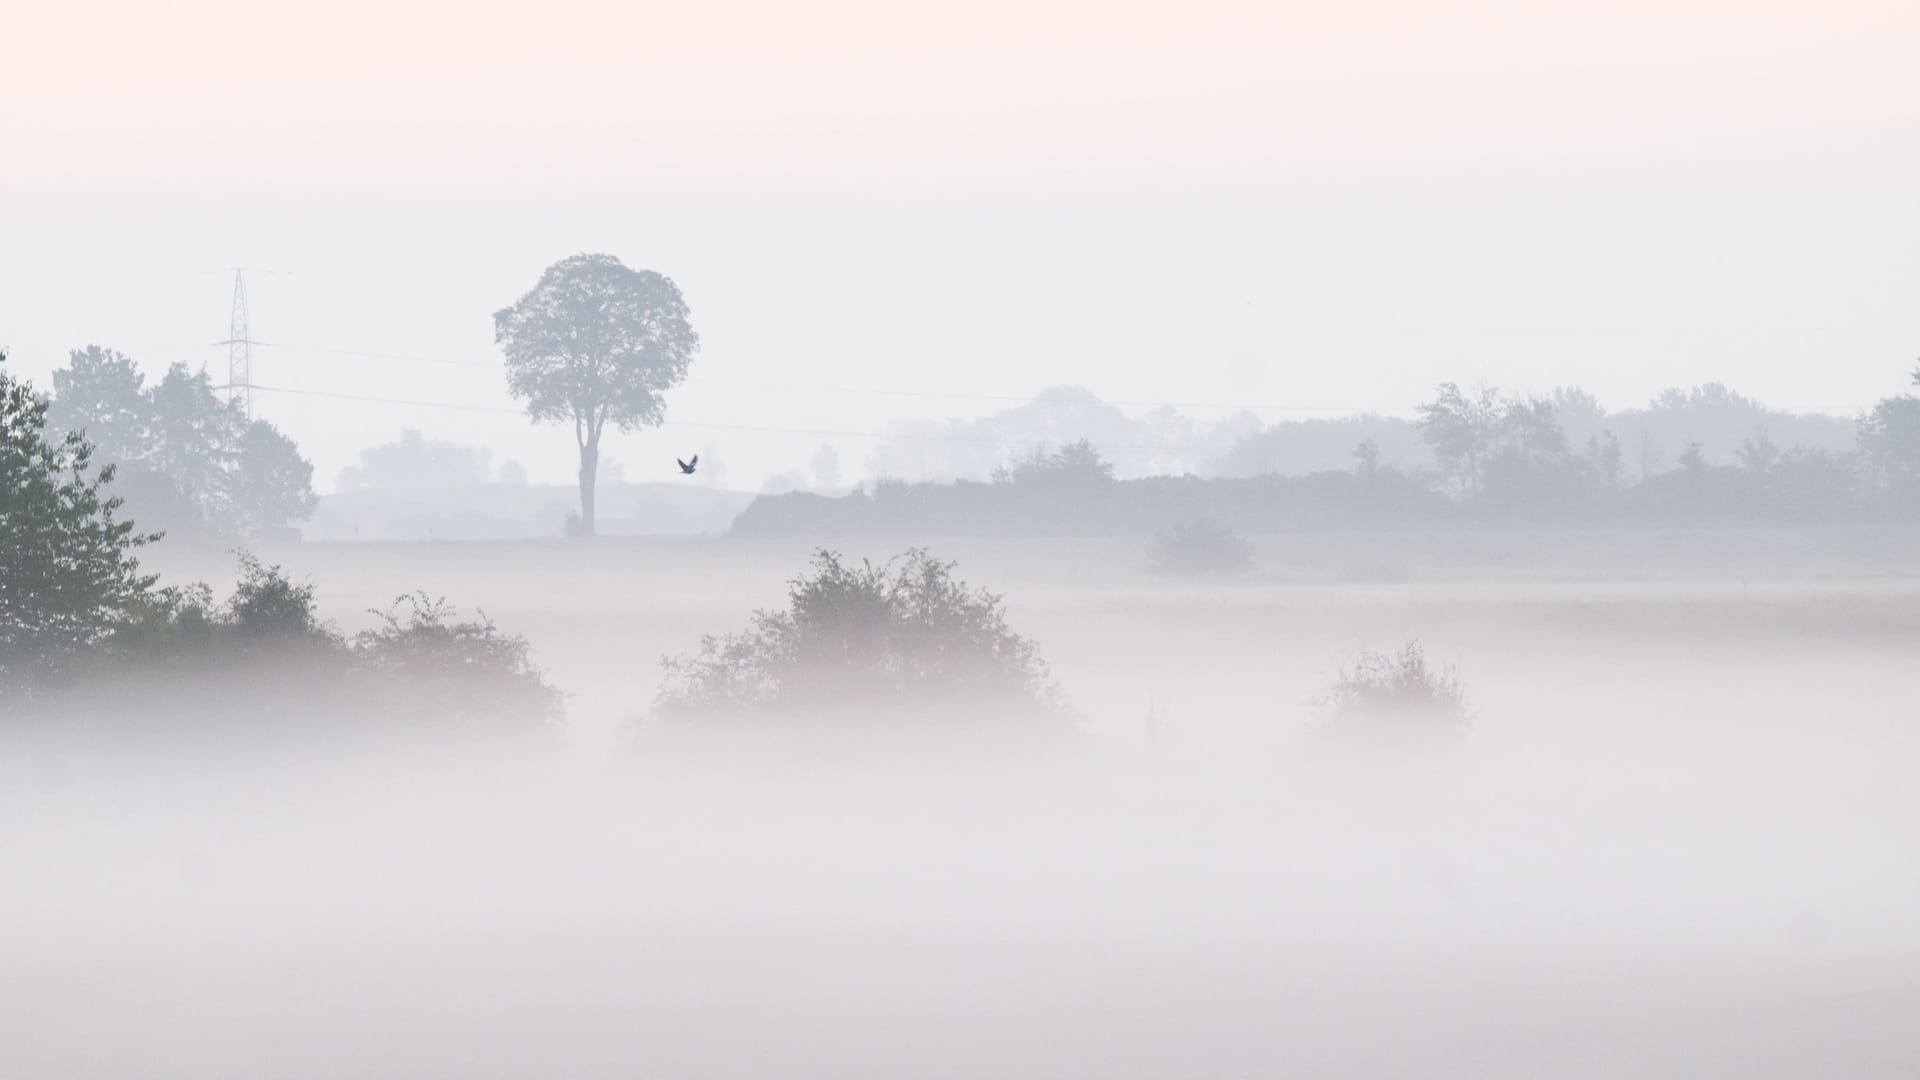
(1215, 204)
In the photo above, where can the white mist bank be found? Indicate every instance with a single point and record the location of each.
(1675, 841)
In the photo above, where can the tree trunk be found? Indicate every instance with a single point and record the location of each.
(589, 467)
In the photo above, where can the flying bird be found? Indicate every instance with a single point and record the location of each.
(687, 467)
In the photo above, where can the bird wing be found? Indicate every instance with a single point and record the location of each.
(683, 465)
(695, 461)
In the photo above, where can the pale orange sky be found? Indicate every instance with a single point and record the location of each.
(1622, 195)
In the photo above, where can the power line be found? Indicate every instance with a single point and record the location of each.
(945, 436)
(1368, 330)
(411, 357)
(110, 283)
(866, 391)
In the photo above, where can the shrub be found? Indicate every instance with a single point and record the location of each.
(1201, 547)
(898, 642)
(265, 660)
(466, 671)
(1397, 692)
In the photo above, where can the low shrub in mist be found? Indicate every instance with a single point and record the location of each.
(264, 660)
(895, 644)
(1200, 548)
(468, 670)
(1396, 693)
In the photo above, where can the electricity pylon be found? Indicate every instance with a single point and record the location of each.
(239, 345)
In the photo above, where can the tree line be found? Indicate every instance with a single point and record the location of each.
(1490, 459)
(189, 463)
(85, 632)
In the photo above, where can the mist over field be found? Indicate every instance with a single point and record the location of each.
(1674, 840)
(878, 541)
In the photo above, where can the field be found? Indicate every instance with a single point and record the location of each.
(1677, 839)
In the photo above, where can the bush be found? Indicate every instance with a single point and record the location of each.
(1397, 693)
(1201, 547)
(899, 642)
(467, 671)
(265, 661)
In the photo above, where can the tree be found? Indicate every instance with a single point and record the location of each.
(195, 436)
(1460, 431)
(1077, 465)
(272, 485)
(101, 394)
(1890, 446)
(414, 464)
(1366, 454)
(826, 467)
(596, 343)
(67, 569)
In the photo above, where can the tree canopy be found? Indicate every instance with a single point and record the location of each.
(189, 462)
(68, 574)
(596, 343)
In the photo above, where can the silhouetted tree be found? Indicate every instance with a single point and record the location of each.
(1460, 431)
(1603, 456)
(414, 464)
(1366, 457)
(187, 460)
(195, 440)
(1890, 447)
(826, 466)
(596, 343)
(1693, 460)
(102, 395)
(272, 485)
(68, 574)
(1075, 465)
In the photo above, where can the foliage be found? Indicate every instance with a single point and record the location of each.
(1201, 547)
(271, 483)
(826, 467)
(1075, 466)
(1139, 507)
(190, 463)
(414, 464)
(596, 343)
(1396, 692)
(1460, 430)
(471, 672)
(194, 440)
(102, 394)
(273, 659)
(269, 608)
(67, 569)
(901, 641)
(1890, 447)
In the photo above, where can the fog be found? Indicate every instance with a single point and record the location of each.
(1674, 840)
(863, 540)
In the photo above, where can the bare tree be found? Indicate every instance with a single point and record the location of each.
(596, 343)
